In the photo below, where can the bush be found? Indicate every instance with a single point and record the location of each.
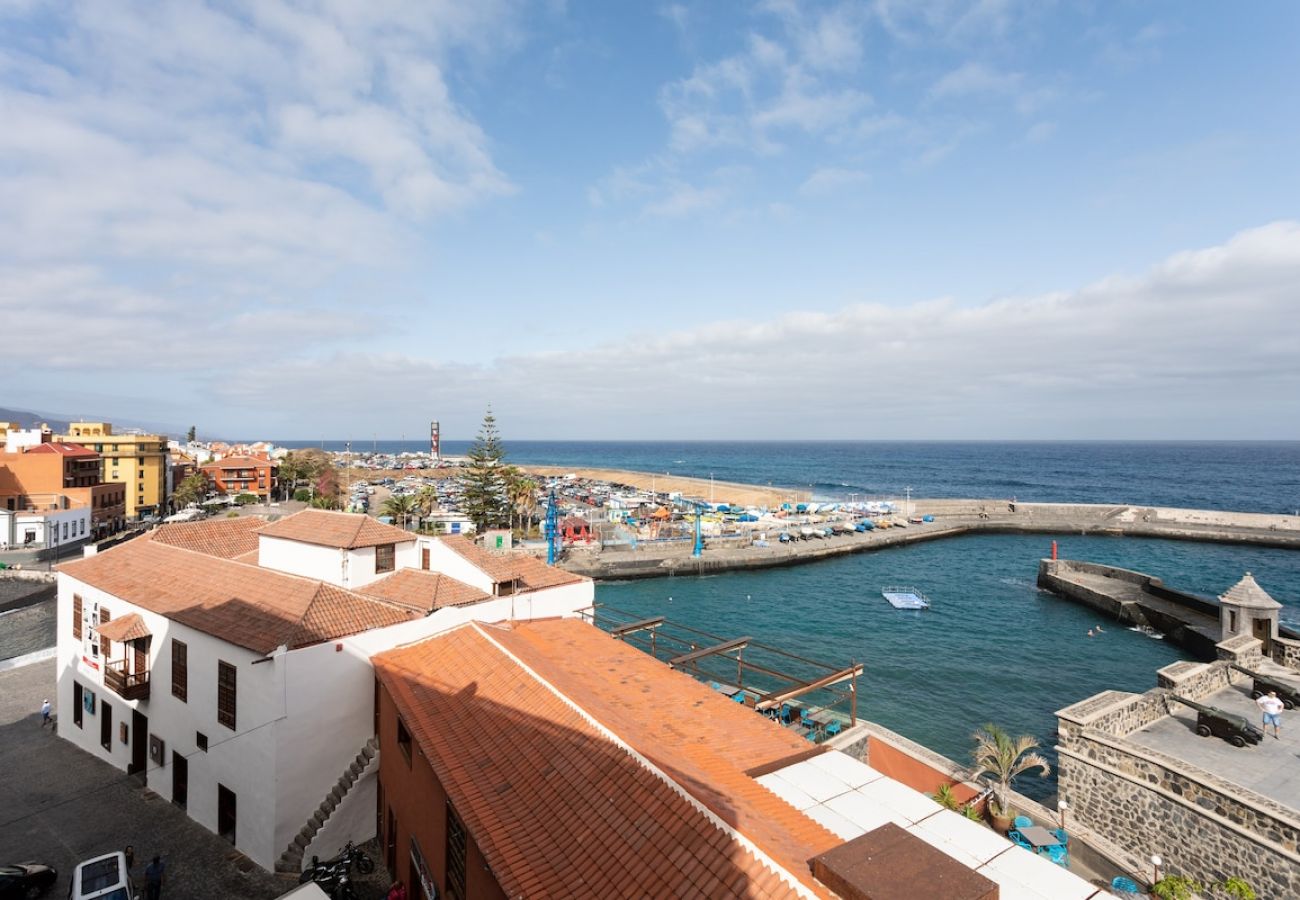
(232, 515)
(246, 499)
(302, 495)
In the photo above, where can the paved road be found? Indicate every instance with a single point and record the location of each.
(27, 630)
(60, 806)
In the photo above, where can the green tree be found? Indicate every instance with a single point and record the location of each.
(484, 495)
(190, 435)
(193, 489)
(521, 490)
(402, 507)
(998, 754)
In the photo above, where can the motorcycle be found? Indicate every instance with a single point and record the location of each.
(349, 856)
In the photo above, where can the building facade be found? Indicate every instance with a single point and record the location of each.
(235, 475)
(37, 476)
(138, 462)
(227, 664)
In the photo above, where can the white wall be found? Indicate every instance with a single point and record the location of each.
(447, 561)
(328, 564)
(243, 760)
(76, 521)
(360, 566)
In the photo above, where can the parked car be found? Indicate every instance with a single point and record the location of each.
(102, 878)
(23, 880)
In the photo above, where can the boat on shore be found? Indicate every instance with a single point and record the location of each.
(901, 597)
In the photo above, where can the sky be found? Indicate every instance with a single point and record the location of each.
(769, 220)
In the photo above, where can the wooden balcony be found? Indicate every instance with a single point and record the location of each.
(128, 686)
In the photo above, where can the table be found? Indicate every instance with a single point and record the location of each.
(1039, 836)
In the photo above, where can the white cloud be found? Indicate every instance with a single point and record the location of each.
(975, 78)
(830, 180)
(1202, 345)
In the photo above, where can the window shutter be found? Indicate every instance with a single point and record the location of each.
(76, 616)
(103, 641)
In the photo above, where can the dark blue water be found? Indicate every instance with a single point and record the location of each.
(1248, 476)
(992, 648)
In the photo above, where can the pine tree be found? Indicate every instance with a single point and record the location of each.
(483, 482)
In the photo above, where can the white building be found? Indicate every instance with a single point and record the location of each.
(49, 520)
(227, 662)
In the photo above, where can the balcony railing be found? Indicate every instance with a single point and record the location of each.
(127, 685)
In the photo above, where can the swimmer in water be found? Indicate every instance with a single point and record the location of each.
(1090, 634)
(1099, 629)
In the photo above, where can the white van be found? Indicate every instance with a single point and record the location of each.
(102, 878)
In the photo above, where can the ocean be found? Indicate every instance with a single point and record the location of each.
(1248, 476)
(993, 648)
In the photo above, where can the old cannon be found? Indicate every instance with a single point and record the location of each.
(1210, 720)
(1286, 691)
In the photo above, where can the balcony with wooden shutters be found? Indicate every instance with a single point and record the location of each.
(128, 677)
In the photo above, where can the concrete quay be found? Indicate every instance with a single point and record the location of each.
(952, 519)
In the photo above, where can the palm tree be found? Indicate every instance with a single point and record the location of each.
(401, 507)
(998, 754)
(426, 501)
(522, 492)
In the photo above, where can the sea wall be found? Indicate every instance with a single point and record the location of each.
(952, 518)
(1153, 803)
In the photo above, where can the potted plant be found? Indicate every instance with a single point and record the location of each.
(1176, 887)
(1004, 758)
(944, 796)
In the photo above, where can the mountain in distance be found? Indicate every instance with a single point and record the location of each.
(58, 422)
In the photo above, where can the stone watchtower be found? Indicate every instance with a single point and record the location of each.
(1248, 609)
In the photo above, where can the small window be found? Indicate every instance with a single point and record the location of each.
(180, 670)
(76, 616)
(404, 740)
(384, 554)
(201, 741)
(226, 694)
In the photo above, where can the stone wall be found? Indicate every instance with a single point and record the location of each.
(1244, 650)
(1197, 680)
(1116, 713)
(1286, 653)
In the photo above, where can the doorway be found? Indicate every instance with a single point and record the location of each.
(1263, 629)
(106, 725)
(78, 698)
(139, 746)
(226, 813)
(180, 780)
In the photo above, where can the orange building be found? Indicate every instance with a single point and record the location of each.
(67, 469)
(241, 475)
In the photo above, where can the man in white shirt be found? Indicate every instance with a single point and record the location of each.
(1272, 708)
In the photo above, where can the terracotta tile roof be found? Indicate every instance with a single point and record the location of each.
(250, 607)
(424, 591)
(127, 628)
(64, 450)
(528, 569)
(224, 538)
(336, 529)
(561, 808)
(239, 462)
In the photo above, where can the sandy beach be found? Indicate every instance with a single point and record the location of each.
(720, 491)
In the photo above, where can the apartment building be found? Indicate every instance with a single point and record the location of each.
(236, 475)
(38, 475)
(138, 462)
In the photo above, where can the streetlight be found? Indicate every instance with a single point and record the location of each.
(1155, 862)
(1062, 806)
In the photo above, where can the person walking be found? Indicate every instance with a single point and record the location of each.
(45, 713)
(153, 878)
(1272, 709)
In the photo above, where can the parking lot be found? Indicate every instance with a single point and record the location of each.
(59, 806)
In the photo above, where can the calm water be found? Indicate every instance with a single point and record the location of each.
(992, 648)
(1256, 477)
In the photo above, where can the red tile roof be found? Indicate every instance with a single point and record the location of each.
(258, 609)
(239, 462)
(542, 764)
(127, 628)
(224, 538)
(531, 571)
(424, 591)
(64, 450)
(336, 529)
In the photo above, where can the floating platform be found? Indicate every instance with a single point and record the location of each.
(905, 598)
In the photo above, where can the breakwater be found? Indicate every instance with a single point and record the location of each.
(951, 519)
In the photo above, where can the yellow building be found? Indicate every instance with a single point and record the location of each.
(137, 460)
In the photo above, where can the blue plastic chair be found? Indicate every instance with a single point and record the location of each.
(1019, 840)
(1062, 837)
(1023, 822)
(806, 720)
(1057, 854)
(1122, 884)
(739, 696)
(833, 728)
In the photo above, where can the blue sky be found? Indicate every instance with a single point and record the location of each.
(772, 220)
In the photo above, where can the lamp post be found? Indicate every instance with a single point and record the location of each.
(1155, 863)
(1061, 807)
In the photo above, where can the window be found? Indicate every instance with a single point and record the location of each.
(180, 670)
(455, 855)
(103, 641)
(424, 558)
(106, 726)
(201, 741)
(76, 617)
(226, 694)
(404, 740)
(1232, 621)
(78, 698)
(384, 558)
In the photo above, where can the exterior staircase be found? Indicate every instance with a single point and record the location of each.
(291, 859)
